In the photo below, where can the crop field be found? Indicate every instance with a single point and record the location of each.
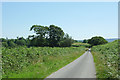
(106, 60)
(36, 62)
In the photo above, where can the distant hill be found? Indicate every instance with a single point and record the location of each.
(109, 40)
(80, 40)
(112, 39)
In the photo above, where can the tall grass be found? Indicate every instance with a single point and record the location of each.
(106, 60)
(37, 62)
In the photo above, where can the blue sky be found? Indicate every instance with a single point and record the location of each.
(81, 20)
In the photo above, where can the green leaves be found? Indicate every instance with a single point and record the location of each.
(52, 36)
(108, 55)
(97, 40)
(16, 59)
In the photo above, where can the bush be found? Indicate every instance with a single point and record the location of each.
(66, 41)
(4, 44)
(97, 40)
(11, 44)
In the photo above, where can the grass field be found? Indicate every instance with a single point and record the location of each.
(36, 62)
(78, 44)
(106, 60)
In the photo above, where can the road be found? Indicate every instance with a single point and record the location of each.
(82, 67)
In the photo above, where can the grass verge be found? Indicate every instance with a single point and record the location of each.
(106, 60)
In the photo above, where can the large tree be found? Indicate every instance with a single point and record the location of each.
(52, 36)
(97, 40)
(41, 35)
(41, 31)
(55, 35)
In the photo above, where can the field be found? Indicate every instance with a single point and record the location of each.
(36, 62)
(78, 44)
(106, 60)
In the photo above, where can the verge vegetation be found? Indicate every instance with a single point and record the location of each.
(36, 62)
(106, 60)
(38, 55)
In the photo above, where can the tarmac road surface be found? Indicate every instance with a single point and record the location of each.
(82, 67)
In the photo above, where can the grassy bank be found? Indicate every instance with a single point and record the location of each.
(37, 62)
(106, 60)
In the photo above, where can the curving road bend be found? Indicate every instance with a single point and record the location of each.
(82, 67)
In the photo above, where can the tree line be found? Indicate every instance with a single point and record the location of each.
(97, 40)
(50, 36)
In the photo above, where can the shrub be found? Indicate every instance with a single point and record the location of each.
(97, 40)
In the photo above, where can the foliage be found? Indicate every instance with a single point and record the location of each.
(36, 62)
(66, 41)
(46, 36)
(20, 41)
(41, 34)
(85, 41)
(97, 40)
(3, 40)
(11, 43)
(52, 36)
(55, 34)
(4, 44)
(106, 60)
(76, 41)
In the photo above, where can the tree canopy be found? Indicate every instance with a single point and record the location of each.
(85, 41)
(52, 36)
(97, 40)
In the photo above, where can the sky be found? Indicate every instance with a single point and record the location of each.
(60, 0)
(81, 20)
